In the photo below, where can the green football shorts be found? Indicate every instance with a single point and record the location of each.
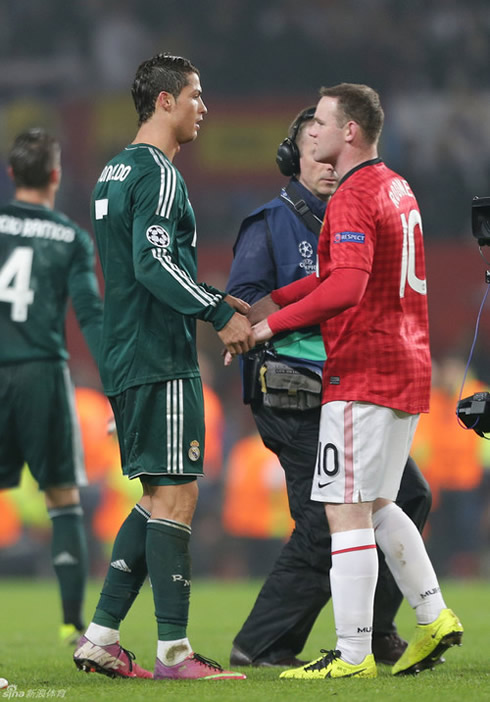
(39, 426)
(160, 428)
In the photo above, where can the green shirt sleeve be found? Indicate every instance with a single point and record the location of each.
(84, 292)
(164, 254)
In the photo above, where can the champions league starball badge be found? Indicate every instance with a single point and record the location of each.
(157, 236)
(305, 249)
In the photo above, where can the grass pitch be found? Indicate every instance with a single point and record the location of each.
(33, 660)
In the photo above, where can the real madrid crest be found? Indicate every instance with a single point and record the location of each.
(194, 452)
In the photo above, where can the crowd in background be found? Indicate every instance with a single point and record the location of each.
(441, 45)
(429, 61)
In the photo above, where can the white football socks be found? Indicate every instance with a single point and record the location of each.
(169, 652)
(405, 554)
(101, 635)
(173, 652)
(353, 581)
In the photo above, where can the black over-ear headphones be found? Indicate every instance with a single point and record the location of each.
(287, 157)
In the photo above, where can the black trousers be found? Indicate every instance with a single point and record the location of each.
(298, 586)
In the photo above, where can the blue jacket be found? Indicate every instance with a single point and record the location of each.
(274, 247)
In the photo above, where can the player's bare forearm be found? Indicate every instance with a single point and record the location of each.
(237, 304)
(262, 309)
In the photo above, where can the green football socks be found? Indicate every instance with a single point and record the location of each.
(127, 571)
(70, 560)
(169, 567)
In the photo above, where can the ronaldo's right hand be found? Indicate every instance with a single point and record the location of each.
(237, 335)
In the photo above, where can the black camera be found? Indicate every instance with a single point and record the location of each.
(474, 412)
(480, 220)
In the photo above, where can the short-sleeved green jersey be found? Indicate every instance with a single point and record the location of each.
(146, 236)
(45, 259)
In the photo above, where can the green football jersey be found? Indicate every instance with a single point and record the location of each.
(146, 236)
(45, 259)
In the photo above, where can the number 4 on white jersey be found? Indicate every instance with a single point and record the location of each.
(15, 277)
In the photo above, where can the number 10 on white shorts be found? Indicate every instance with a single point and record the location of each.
(362, 451)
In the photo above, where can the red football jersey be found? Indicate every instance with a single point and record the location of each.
(377, 350)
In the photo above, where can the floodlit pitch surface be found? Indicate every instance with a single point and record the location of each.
(32, 659)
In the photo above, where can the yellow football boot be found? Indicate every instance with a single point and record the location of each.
(332, 666)
(429, 643)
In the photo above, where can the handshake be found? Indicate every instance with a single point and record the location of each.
(247, 327)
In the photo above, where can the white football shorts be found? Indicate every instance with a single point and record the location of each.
(362, 451)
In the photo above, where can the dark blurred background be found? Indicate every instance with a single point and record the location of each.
(69, 66)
